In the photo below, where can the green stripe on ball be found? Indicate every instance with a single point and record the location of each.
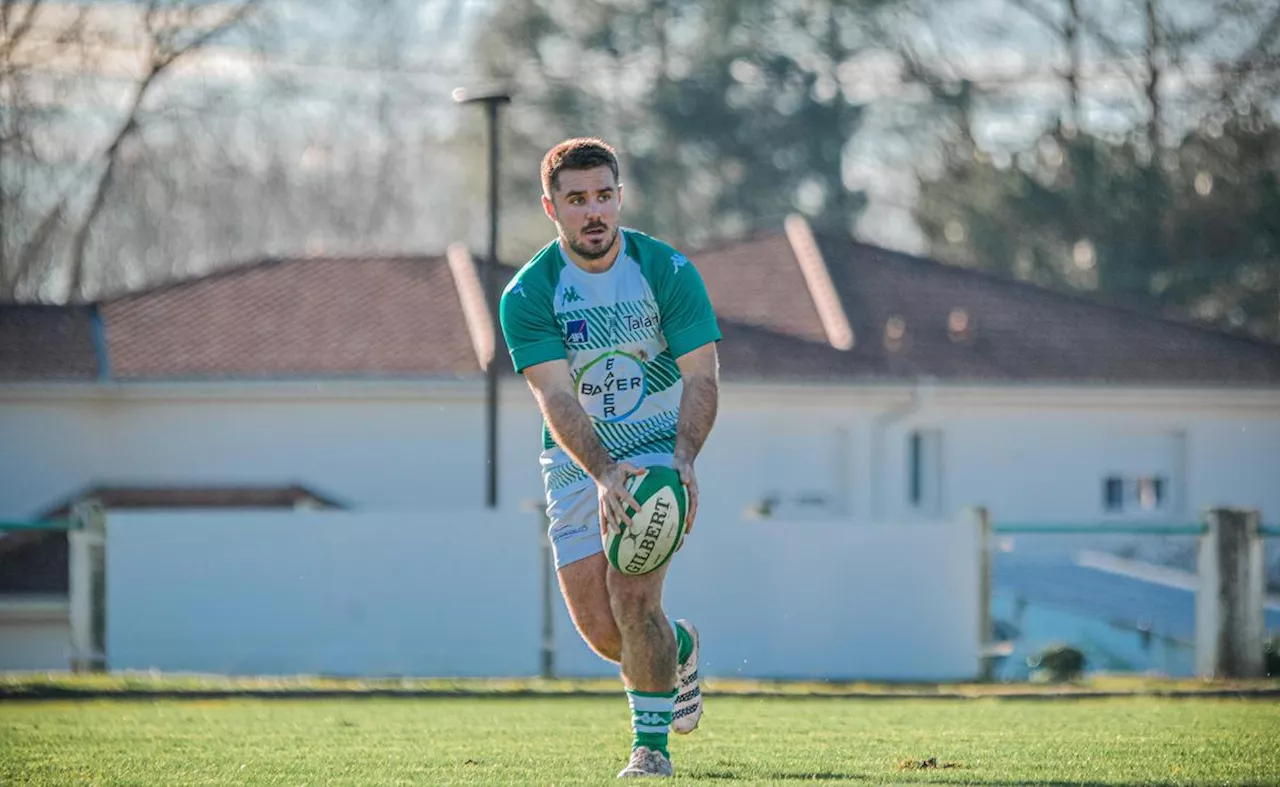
(657, 529)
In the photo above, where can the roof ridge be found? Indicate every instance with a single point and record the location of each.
(475, 309)
(1072, 297)
(817, 276)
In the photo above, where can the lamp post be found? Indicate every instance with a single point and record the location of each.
(491, 101)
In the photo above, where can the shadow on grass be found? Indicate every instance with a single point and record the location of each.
(1126, 783)
(822, 776)
(957, 776)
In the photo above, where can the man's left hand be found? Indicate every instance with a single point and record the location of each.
(690, 481)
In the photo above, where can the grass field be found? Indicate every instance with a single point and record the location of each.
(566, 740)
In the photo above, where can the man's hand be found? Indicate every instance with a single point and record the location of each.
(611, 489)
(690, 481)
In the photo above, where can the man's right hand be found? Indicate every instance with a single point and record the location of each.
(611, 489)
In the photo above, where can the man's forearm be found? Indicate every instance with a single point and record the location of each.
(573, 431)
(699, 403)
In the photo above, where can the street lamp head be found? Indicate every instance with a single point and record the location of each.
(463, 96)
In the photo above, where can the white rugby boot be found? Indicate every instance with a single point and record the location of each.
(688, 707)
(647, 762)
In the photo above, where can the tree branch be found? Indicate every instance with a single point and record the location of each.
(161, 60)
(1113, 48)
(13, 36)
(1255, 55)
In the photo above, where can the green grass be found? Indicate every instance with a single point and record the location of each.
(583, 740)
(19, 685)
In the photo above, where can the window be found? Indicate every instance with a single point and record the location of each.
(1134, 494)
(1113, 494)
(924, 471)
(916, 481)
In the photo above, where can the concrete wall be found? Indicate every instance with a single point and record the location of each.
(456, 593)
(34, 634)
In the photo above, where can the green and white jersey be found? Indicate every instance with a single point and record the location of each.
(621, 332)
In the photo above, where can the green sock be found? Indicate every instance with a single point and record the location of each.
(651, 718)
(684, 643)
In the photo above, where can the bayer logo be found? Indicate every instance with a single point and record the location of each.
(611, 387)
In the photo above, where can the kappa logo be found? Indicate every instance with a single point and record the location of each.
(651, 719)
(575, 331)
(678, 261)
(570, 296)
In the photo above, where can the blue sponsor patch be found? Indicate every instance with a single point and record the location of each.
(575, 331)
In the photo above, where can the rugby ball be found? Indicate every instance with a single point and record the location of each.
(656, 530)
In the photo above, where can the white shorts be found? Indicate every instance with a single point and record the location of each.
(574, 514)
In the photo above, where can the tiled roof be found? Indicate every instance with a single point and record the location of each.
(47, 343)
(757, 284)
(905, 317)
(296, 318)
(175, 496)
(916, 317)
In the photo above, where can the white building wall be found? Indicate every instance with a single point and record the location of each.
(389, 446)
(405, 446)
(1037, 462)
(817, 452)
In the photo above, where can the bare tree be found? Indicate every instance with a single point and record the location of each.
(54, 57)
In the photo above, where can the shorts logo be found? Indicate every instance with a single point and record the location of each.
(561, 533)
(575, 331)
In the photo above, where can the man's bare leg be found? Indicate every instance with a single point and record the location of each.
(648, 667)
(586, 594)
(648, 643)
(598, 598)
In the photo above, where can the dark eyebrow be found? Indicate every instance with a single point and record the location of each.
(606, 190)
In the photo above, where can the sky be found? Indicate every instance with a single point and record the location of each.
(328, 76)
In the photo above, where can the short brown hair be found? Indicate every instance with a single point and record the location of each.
(580, 153)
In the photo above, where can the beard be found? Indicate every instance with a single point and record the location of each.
(591, 252)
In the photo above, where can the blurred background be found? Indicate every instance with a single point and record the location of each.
(1124, 147)
(1018, 254)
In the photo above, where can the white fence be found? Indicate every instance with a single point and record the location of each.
(459, 593)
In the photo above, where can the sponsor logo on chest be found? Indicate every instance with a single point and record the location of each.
(613, 326)
(612, 386)
(631, 322)
(575, 331)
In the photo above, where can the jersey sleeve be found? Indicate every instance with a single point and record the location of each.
(688, 320)
(529, 326)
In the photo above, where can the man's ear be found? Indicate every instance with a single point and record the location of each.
(549, 208)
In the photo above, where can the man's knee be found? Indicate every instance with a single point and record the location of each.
(636, 599)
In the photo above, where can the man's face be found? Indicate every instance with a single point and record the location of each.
(585, 208)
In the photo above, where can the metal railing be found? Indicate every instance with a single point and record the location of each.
(1101, 528)
(52, 524)
(1198, 530)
